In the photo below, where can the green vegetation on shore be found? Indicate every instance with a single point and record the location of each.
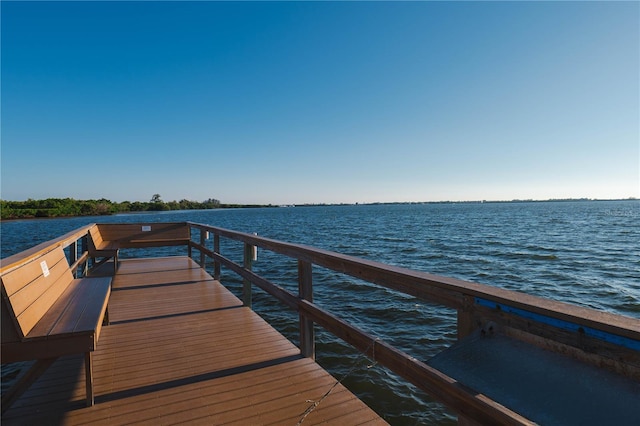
(69, 207)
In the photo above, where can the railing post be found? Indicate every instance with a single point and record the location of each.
(202, 242)
(84, 246)
(216, 264)
(466, 324)
(305, 291)
(73, 256)
(246, 284)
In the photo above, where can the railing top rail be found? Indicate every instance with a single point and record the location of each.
(11, 262)
(448, 291)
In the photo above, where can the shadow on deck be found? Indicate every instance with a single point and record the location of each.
(182, 348)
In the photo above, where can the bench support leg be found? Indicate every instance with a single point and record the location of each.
(88, 370)
(105, 320)
(25, 381)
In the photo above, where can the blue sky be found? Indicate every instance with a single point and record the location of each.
(320, 102)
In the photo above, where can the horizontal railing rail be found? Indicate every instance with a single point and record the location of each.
(543, 322)
(70, 241)
(450, 292)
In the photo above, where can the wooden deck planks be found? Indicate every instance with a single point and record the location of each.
(182, 349)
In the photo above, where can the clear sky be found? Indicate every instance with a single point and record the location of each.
(320, 102)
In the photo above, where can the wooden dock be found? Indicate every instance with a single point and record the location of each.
(181, 348)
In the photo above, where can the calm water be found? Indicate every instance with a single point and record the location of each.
(586, 253)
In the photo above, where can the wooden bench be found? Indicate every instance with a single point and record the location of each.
(107, 239)
(98, 247)
(46, 313)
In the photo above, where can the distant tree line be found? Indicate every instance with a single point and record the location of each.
(66, 207)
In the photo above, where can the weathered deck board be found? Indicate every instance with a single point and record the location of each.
(182, 349)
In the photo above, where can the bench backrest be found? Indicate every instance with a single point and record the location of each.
(138, 235)
(95, 238)
(29, 290)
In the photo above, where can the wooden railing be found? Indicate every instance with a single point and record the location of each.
(608, 340)
(72, 241)
(605, 339)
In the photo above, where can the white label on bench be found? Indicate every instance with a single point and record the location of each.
(45, 268)
(146, 228)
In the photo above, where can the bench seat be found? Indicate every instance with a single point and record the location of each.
(46, 313)
(80, 310)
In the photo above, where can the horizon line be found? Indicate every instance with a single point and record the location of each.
(630, 198)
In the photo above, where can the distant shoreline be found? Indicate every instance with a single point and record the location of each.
(56, 208)
(254, 206)
(149, 212)
(559, 200)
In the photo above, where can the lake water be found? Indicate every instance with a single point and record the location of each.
(586, 253)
